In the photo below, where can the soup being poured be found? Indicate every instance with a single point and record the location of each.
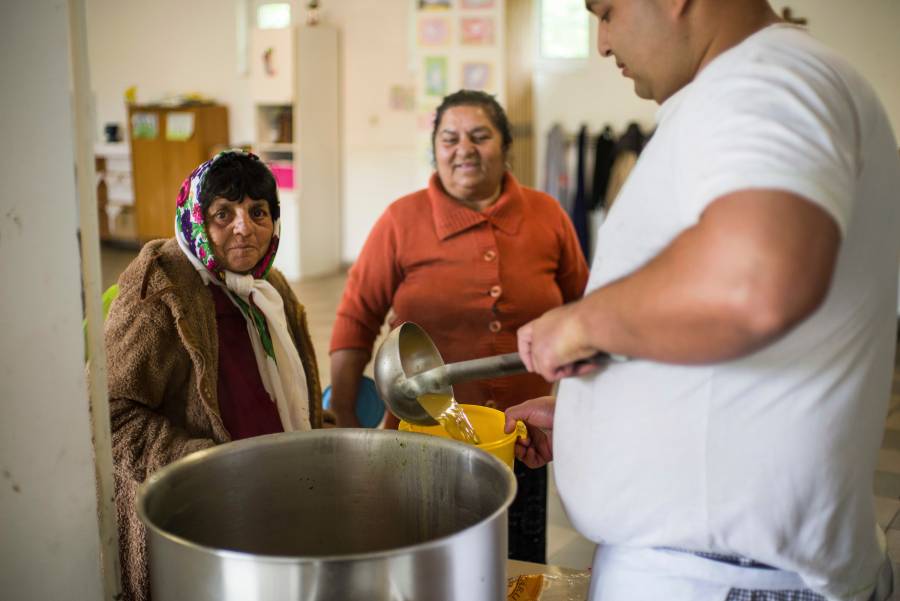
(450, 415)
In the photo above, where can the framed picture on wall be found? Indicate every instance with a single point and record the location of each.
(477, 4)
(144, 126)
(477, 31)
(435, 75)
(476, 76)
(434, 4)
(401, 98)
(434, 31)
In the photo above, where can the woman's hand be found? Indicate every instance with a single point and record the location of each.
(329, 419)
(536, 450)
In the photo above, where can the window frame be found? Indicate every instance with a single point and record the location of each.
(544, 58)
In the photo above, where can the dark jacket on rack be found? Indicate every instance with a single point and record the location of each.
(604, 153)
(627, 150)
(579, 209)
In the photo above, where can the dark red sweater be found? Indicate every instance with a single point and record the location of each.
(246, 408)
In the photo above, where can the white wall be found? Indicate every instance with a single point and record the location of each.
(379, 151)
(594, 93)
(173, 46)
(867, 33)
(166, 47)
(49, 537)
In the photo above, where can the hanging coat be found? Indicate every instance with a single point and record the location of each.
(579, 209)
(604, 153)
(556, 176)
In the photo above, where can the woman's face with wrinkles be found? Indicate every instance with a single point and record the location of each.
(240, 232)
(468, 152)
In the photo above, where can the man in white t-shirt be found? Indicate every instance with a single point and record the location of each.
(749, 270)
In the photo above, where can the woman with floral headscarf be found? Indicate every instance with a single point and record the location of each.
(206, 343)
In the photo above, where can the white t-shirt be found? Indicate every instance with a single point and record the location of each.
(770, 456)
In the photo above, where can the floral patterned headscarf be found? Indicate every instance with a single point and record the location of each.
(190, 223)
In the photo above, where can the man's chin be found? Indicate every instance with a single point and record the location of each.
(642, 91)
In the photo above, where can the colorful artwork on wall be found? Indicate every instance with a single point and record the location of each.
(434, 31)
(476, 76)
(477, 4)
(179, 126)
(477, 31)
(457, 44)
(435, 75)
(144, 126)
(434, 4)
(402, 98)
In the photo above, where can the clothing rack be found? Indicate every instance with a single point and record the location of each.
(585, 170)
(572, 137)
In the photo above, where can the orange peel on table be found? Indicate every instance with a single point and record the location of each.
(526, 587)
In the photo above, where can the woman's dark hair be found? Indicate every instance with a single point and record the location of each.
(236, 175)
(481, 99)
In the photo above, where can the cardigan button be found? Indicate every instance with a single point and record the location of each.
(490, 255)
(495, 291)
(494, 326)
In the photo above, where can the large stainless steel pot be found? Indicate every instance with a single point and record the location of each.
(333, 515)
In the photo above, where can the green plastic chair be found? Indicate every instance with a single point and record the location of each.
(108, 297)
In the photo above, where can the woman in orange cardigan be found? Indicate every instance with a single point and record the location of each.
(470, 258)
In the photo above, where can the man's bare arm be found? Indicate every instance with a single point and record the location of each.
(757, 263)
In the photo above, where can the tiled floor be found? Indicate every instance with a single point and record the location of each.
(565, 547)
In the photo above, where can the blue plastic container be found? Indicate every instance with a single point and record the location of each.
(369, 406)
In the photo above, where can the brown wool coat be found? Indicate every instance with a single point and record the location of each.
(162, 361)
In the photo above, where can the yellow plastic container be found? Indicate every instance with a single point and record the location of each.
(488, 424)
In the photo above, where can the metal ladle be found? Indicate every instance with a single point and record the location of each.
(408, 365)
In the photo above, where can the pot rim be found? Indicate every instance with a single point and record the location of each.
(280, 438)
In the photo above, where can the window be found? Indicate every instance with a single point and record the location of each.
(564, 29)
(273, 15)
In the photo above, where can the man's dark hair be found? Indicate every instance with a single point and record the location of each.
(236, 175)
(481, 99)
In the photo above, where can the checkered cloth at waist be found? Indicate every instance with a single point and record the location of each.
(737, 594)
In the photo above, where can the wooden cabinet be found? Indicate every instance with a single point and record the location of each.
(167, 143)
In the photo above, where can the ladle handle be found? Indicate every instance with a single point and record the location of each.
(486, 367)
(496, 366)
(506, 365)
(441, 377)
